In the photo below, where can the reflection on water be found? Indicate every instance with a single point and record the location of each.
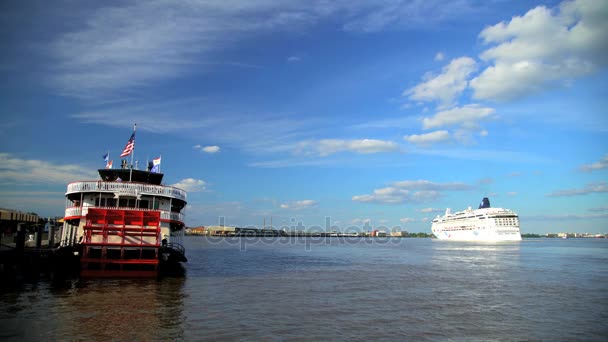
(335, 289)
(102, 309)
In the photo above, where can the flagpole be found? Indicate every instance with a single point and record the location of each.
(132, 153)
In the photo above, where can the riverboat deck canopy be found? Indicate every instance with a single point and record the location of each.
(123, 175)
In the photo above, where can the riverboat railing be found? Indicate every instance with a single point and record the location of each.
(164, 214)
(126, 188)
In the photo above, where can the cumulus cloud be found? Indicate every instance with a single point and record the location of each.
(293, 59)
(393, 195)
(299, 205)
(445, 87)
(15, 170)
(542, 48)
(326, 147)
(191, 185)
(408, 191)
(428, 138)
(599, 165)
(207, 149)
(467, 117)
(598, 187)
(439, 56)
(211, 149)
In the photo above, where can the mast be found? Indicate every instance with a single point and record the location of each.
(132, 153)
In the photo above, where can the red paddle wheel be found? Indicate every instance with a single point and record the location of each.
(121, 243)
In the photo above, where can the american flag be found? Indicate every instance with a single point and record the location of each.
(129, 147)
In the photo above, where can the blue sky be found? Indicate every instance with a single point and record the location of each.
(362, 111)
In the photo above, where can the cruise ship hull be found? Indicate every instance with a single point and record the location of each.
(478, 235)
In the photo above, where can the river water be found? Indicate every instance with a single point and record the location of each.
(334, 289)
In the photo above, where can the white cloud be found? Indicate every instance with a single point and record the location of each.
(235, 127)
(599, 165)
(111, 49)
(543, 48)
(422, 184)
(439, 56)
(406, 220)
(108, 49)
(211, 149)
(393, 195)
(293, 59)
(26, 171)
(428, 138)
(299, 205)
(207, 149)
(445, 87)
(429, 210)
(374, 16)
(326, 147)
(512, 193)
(467, 117)
(599, 187)
(191, 185)
(417, 191)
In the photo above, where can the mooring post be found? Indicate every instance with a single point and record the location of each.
(51, 233)
(39, 230)
(20, 242)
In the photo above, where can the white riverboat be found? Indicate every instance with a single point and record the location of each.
(482, 224)
(127, 223)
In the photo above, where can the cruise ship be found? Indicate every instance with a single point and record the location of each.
(482, 224)
(126, 223)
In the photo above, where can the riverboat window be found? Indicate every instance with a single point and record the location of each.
(126, 202)
(176, 208)
(144, 204)
(104, 202)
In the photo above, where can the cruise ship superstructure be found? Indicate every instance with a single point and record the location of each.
(482, 224)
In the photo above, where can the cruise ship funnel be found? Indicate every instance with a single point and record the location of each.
(485, 203)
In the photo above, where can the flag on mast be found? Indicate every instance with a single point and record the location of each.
(129, 147)
(106, 157)
(155, 165)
